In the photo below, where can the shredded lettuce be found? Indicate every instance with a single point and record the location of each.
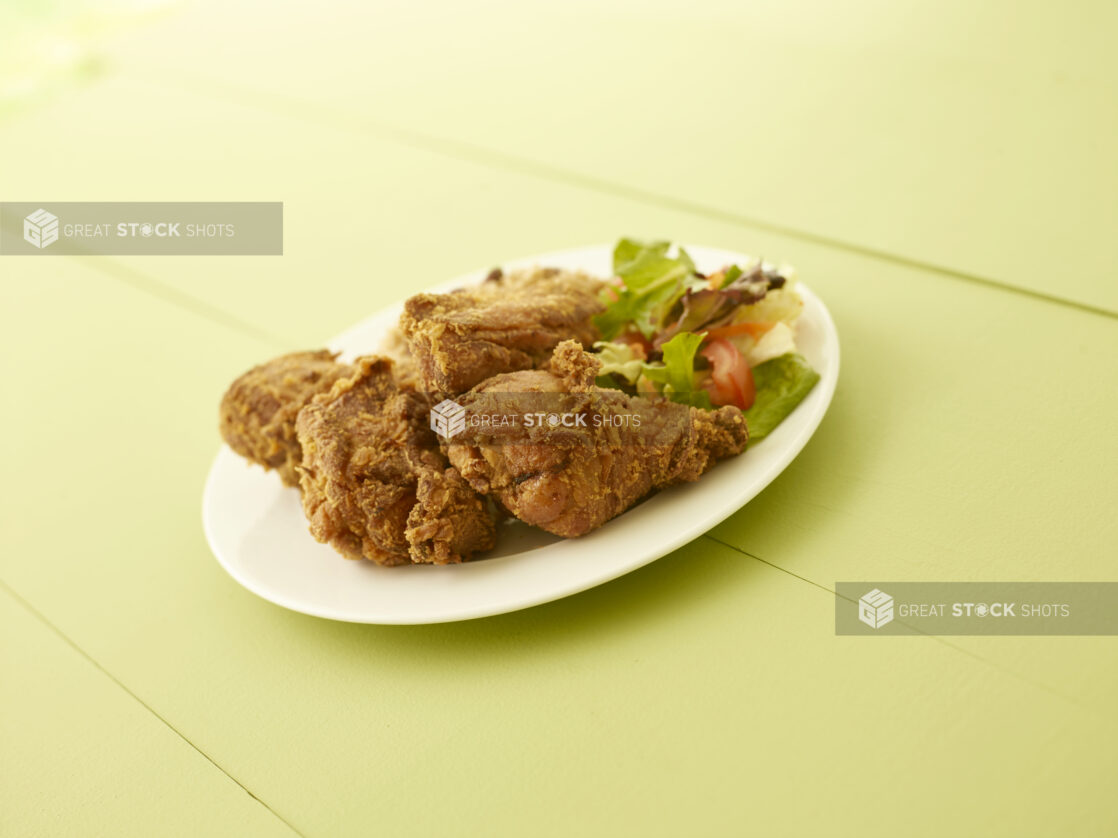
(781, 384)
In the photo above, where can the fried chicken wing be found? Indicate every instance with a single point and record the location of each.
(508, 323)
(569, 475)
(257, 417)
(375, 484)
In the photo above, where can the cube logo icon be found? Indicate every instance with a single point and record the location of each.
(40, 228)
(875, 609)
(448, 419)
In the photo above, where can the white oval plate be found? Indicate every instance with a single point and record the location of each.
(256, 527)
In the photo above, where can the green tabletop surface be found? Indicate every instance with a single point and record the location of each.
(943, 175)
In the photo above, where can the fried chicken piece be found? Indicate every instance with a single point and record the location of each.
(510, 322)
(570, 480)
(257, 417)
(395, 347)
(449, 521)
(375, 484)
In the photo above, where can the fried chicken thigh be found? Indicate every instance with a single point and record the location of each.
(257, 417)
(375, 484)
(510, 322)
(571, 478)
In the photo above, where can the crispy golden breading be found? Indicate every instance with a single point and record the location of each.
(449, 521)
(510, 322)
(258, 411)
(375, 484)
(405, 370)
(570, 481)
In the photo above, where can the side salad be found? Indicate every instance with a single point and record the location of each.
(706, 340)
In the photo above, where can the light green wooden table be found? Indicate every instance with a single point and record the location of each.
(943, 175)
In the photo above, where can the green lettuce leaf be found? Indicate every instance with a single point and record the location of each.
(731, 275)
(677, 373)
(619, 359)
(781, 384)
(653, 281)
(641, 265)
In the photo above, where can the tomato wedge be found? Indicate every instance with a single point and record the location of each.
(731, 377)
(754, 330)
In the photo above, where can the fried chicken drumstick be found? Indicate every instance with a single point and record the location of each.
(570, 480)
(510, 322)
